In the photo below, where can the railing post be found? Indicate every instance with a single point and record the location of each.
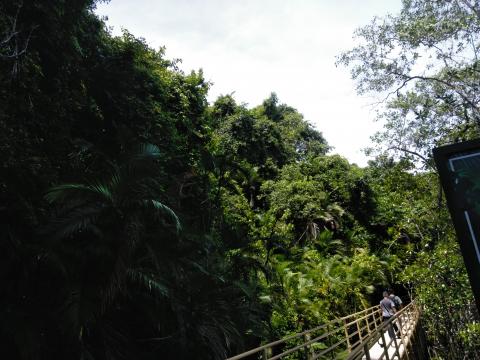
(374, 320)
(403, 337)
(378, 319)
(346, 335)
(265, 354)
(308, 352)
(385, 346)
(397, 350)
(368, 323)
(406, 318)
(401, 319)
(359, 330)
(366, 350)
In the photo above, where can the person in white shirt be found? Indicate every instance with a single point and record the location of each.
(388, 310)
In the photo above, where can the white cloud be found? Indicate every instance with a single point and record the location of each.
(255, 47)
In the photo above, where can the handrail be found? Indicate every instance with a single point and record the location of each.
(407, 318)
(346, 322)
(352, 335)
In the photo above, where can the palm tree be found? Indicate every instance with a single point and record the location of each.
(101, 225)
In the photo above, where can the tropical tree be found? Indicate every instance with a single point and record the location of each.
(424, 63)
(99, 228)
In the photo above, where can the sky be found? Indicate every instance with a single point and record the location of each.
(252, 48)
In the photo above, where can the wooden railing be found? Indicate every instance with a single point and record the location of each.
(355, 336)
(379, 346)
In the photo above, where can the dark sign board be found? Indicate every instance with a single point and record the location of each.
(459, 169)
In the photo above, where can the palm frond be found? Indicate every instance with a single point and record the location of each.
(139, 165)
(78, 219)
(162, 209)
(102, 189)
(62, 192)
(147, 151)
(148, 282)
(115, 181)
(246, 289)
(81, 191)
(216, 327)
(200, 268)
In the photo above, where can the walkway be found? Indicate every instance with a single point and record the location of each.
(397, 348)
(356, 336)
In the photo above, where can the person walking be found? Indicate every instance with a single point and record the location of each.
(398, 306)
(388, 310)
(396, 300)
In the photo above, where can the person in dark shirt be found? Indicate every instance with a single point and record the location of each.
(396, 300)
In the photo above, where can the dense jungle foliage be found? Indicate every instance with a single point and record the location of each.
(138, 221)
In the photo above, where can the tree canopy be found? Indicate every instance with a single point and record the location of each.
(424, 63)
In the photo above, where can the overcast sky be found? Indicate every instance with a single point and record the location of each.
(251, 48)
